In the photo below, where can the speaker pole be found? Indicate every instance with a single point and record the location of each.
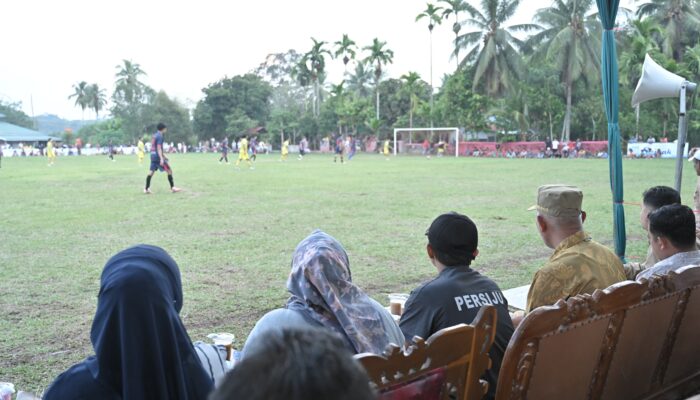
(682, 132)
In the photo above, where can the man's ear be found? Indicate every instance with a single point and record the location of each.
(475, 253)
(431, 252)
(664, 243)
(583, 216)
(541, 223)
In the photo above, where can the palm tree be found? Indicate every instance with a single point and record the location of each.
(378, 55)
(316, 65)
(692, 60)
(359, 81)
(569, 39)
(492, 47)
(454, 7)
(337, 93)
(433, 14)
(412, 86)
(96, 98)
(346, 47)
(128, 87)
(641, 39)
(80, 96)
(677, 17)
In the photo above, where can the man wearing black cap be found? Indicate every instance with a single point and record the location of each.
(458, 292)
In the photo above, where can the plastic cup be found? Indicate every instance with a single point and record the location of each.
(224, 339)
(6, 390)
(396, 303)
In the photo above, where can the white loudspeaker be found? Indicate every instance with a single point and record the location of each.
(657, 83)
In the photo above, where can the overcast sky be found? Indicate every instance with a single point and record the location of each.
(184, 45)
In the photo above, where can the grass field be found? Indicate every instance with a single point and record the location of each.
(233, 232)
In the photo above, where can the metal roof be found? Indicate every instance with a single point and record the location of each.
(14, 133)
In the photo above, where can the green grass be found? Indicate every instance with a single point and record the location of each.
(233, 233)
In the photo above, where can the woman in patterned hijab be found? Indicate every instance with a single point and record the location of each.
(322, 290)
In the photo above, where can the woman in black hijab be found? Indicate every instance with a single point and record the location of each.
(142, 350)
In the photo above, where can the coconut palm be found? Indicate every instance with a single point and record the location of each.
(640, 39)
(316, 65)
(359, 81)
(128, 87)
(492, 47)
(412, 85)
(692, 60)
(378, 55)
(80, 96)
(454, 7)
(571, 40)
(432, 13)
(677, 18)
(96, 98)
(346, 47)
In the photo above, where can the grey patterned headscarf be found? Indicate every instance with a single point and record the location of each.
(321, 287)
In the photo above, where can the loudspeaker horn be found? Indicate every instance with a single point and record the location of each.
(657, 83)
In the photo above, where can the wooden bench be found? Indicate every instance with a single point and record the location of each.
(633, 340)
(458, 353)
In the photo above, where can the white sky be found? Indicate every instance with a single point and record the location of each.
(184, 45)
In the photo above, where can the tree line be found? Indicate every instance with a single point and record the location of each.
(539, 80)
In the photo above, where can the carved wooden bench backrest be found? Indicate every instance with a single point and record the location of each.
(632, 340)
(462, 351)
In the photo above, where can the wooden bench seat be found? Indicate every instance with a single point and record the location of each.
(459, 354)
(633, 340)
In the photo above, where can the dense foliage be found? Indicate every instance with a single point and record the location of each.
(539, 80)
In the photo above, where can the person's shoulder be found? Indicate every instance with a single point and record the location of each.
(485, 281)
(561, 266)
(280, 315)
(606, 252)
(77, 383)
(279, 319)
(429, 287)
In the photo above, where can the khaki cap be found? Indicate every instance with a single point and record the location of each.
(558, 201)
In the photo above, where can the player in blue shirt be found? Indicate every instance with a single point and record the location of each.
(158, 160)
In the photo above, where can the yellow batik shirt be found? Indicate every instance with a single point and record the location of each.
(579, 265)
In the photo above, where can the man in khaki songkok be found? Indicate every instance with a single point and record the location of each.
(579, 264)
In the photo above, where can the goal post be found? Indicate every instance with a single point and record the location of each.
(434, 135)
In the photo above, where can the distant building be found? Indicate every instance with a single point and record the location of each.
(13, 135)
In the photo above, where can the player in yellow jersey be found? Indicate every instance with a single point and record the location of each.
(386, 149)
(141, 151)
(50, 152)
(243, 152)
(285, 150)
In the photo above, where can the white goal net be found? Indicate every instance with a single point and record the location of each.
(426, 141)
